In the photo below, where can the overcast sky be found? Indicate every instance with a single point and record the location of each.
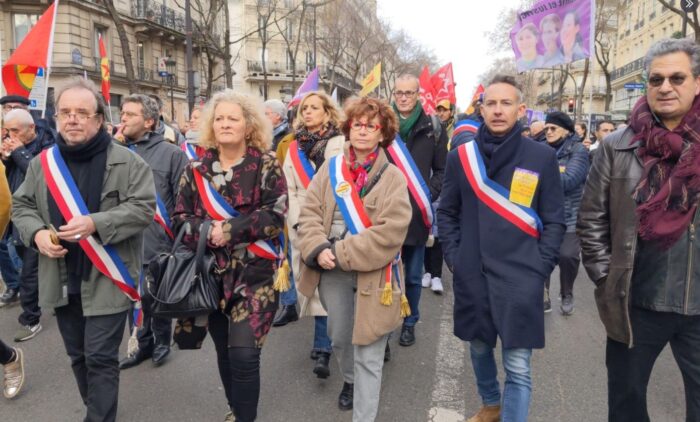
(454, 30)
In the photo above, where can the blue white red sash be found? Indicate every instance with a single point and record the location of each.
(301, 164)
(189, 151)
(161, 217)
(65, 192)
(465, 126)
(416, 184)
(220, 210)
(347, 197)
(494, 195)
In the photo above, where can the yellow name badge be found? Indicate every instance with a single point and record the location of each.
(562, 169)
(523, 186)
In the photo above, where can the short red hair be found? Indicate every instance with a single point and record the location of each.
(357, 108)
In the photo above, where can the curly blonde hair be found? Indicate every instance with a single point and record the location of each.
(334, 114)
(258, 127)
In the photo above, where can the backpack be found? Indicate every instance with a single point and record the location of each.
(437, 127)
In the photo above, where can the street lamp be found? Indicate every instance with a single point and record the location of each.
(170, 64)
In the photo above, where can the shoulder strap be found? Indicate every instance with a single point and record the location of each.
(437, 127)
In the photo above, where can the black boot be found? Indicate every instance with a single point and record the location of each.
(135, 359)
(287, 314)
(407, 337)
(321, 368)
(345, 397)
(160, 352)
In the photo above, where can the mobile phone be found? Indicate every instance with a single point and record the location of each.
(54, 235)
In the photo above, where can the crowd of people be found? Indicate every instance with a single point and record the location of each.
(347, 214)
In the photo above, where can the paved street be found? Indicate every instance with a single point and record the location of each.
(431, 381)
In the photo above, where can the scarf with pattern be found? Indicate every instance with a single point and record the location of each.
(360, 171)
(314, 144)
(668, 192)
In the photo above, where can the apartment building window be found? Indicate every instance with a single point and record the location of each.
(262, 27)
(100, 31)
(629, 21)
(21, 24)
(141, 54)
(290, 29)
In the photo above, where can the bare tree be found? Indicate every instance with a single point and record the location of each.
(292, 39)
(267, 16)
(124, 41)
(693, 21)
(605, 33)
(334, 39)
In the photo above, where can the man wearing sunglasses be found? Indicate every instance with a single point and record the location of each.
(637, 226)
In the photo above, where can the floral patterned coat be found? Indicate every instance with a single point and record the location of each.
(256, 188)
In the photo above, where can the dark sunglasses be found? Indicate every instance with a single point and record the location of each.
(550, 128)
(675, 80)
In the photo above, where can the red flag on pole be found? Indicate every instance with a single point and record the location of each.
(20, 69)
(104, 66)
(427, 95)
(443, 83)
(477, 94)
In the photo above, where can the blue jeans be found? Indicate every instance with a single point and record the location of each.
(289, 297)
(322, 343)
(10, 264)
(518, 384)
(412, 257)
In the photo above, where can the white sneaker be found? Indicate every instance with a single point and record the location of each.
(426, 280)
(436, 285)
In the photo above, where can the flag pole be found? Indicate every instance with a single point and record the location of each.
(109, 107)
(49, 55)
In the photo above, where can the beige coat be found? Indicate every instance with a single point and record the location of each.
(368, 253)
(297, 195)
(5, 200)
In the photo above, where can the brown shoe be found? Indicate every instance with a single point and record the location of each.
(14, 375)
(487, 414)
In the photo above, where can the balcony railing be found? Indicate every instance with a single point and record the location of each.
(627, 69)
(277, 67)
(157, 12)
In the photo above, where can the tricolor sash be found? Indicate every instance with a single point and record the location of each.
(465, 126)
(301, 164)
(161, 217)
(189, 151)
(416, 184)
(353, 210)
(494, 195)
(219, 209)
(65, 192)
(347, 197)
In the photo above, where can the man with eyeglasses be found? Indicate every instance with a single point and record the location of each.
(17, 150)
(84, 206)
(426, 143)
(573, 169)
(139, 117)
(637, 224)
(501, 222)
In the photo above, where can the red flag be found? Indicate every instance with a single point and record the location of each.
(427, 95)
(104, 66)
(20, 69)
(479, 91)
(443, 83)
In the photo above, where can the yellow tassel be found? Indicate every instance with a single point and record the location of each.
(405, 308)
(282, 283)
(386, 299)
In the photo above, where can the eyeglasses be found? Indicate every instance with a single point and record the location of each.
(675, 80)
(129, 114)
(550, 128)
(9, 107)
(408, 94)
(371, 127)
(80, 116)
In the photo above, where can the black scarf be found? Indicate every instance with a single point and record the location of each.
(86, 163)
(497, 150)
(314, 144)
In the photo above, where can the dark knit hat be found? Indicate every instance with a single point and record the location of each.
(560, 119)
(14, 99)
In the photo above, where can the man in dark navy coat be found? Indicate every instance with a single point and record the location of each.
(502, 220)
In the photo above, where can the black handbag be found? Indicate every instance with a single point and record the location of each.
(183, 283)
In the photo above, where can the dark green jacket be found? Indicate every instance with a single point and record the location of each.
(120, 223)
